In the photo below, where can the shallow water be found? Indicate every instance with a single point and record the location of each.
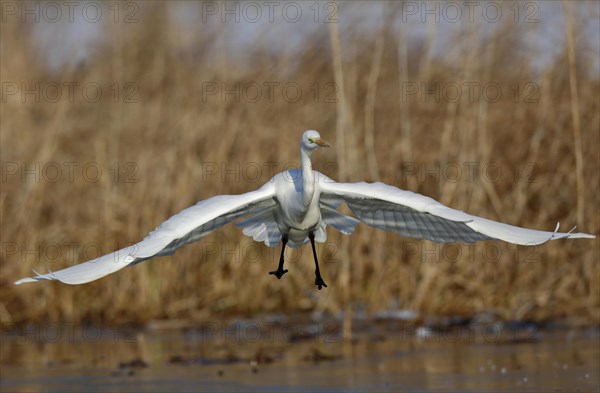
(260, 356)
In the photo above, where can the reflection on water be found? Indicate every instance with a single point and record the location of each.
(275, 356)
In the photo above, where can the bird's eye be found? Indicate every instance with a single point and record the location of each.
(311, 140)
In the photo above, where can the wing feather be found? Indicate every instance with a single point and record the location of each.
(413, 215)
(188, 226)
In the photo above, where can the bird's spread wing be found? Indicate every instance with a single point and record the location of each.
(413, 215)
(185, 227)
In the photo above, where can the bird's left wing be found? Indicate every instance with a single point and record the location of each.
(413, 215)
(185, 227)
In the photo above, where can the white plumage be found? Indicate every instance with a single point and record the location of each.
(296, 205)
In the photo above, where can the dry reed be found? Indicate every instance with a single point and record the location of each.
(176, 139)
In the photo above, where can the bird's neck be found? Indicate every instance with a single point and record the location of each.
(308, 181)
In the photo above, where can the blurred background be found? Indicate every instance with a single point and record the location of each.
(117, 115)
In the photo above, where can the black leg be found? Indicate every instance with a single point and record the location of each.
(318, 279)
(280, 272)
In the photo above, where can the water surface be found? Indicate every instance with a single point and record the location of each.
(259, 356)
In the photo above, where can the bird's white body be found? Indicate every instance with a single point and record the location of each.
(298, 211)
(297, 205)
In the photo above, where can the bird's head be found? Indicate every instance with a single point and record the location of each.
(311, 140)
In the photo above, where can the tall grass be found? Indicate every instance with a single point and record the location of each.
(176, 140)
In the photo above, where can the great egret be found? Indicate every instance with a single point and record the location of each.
(295, 206)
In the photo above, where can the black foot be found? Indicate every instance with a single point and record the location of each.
(320, 283)
(279, 273)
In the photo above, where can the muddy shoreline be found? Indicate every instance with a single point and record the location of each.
(272, 354)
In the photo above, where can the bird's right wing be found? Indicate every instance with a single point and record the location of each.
(413, 215)
(185, 227)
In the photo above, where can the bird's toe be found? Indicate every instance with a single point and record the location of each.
(279, 273)
(320, 283)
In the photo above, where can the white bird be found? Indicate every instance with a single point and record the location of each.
(295, 206)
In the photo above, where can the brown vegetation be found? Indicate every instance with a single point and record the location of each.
(176, 138)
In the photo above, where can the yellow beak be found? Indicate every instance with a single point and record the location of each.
(322, 142)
